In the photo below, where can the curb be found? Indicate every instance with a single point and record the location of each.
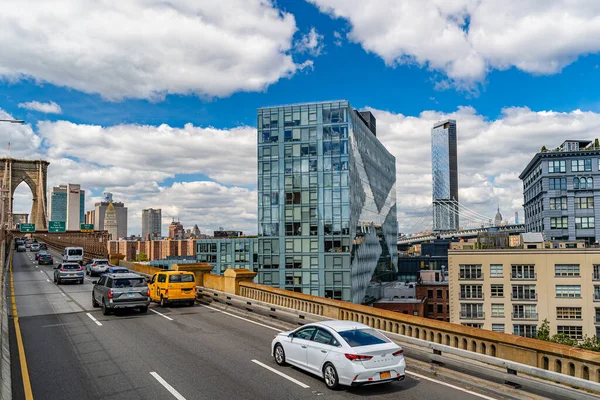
(5, 369)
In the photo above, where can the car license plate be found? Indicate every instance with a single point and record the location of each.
(130, 295)
(385, 375)
(71, 274)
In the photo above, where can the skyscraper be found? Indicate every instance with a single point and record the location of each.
(444, 170)
(65, 200)
(327, 201)
(110, 222)
(151, 223)
(176, 230)
(100, 211)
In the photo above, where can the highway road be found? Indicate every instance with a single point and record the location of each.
(74, 352)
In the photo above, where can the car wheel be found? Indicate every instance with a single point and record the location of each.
(331, 377)
(54, 278)
(144, 309)
(279, 355)
(192, 303)
(163, 302)
(81, 281)
(105, 310)
(94, 302)
(58, 281)
(87, 272)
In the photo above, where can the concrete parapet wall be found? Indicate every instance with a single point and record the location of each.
(5, 368)
(141, 268)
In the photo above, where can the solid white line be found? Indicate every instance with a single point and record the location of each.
(36, 266)
(47, 280)
(449, 385)
(162, 315)
(170, 388)
(244, 319)
(93, 319)
(289, 378)
(42, 272)
(63, 294)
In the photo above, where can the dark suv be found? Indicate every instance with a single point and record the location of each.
(114, 291)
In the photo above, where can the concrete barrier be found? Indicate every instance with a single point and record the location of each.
(5, 368)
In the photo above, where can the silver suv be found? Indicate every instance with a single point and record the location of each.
(114, 291)
(97, 266)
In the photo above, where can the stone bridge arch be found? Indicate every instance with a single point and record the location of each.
(35, 174)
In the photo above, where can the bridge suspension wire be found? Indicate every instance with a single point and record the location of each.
(420, 222)
(487, 219)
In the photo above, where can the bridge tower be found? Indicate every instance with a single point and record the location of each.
(35, 174)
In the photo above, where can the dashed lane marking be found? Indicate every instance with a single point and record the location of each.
(93, 319)
(166, 385)
(162, 315)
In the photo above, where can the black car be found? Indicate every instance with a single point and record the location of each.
(43, 246)
(45, 259)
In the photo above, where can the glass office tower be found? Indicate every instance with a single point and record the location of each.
(327, 201)
(444, 170)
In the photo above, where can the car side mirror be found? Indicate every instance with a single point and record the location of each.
(94, 282)
(292, 335)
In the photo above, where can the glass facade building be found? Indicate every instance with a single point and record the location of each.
(240, 252)
(58, 204)
(327, 201)
(444, 171)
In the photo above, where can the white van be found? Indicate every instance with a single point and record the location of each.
(73, 254)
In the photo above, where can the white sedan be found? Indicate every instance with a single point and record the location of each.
(342, 352)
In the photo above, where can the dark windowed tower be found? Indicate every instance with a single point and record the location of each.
(444, 170)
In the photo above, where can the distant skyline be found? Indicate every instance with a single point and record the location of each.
(170, 124)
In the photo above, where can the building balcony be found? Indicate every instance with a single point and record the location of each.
(525, 316)
(524, 297)
(523, 277)
(474, 298)
(472, 315)
(470, 277)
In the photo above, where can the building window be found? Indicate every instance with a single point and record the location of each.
(440, 308)
(574, 332)
(568, 290)
(583, 202)
(584, 222)
(526, 272)
(468, 271)
(498, 328)
(498, 310)
(430, 293)
(557, 183)
(497, 290)
(568, 312)
(525, 330)
(566, 270)
(556, 166)
(596, 274)
(559, 222)
(581, 165)
(471, 310)
(583, 183)
(472, 325)
(523, 292)
(496, 270)
(524, 311)
(558, 203)
(439, 294)
(429, 308)
(471, 291)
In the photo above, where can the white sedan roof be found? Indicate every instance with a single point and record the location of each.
(340, 326)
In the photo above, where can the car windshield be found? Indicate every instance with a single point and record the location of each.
(70, 266)
(75, 252)
(127, 283)
(363, 337)
(181, 278)
(119, 270)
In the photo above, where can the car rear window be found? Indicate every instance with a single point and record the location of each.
(45, 257)
(101, 261)
(119, 271)
(75, 252)
(363, 337)
(129, 282)
(70, 266)
(181, 278)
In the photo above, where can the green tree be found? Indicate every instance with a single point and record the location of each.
(543, 332)
(596, 144)
(561, 338)
(543, 149)
(142, 257)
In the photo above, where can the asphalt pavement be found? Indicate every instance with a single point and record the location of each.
(72, 351)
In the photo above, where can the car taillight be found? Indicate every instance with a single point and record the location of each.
(357, 357)
(148, 293)
(166, 291)
(398, 353)
(110, 294)
(93, 265)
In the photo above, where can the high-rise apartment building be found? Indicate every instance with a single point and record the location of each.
(559, 192)
(444, 170)
(176, 230)
(67, 200)
(327, 201)
(100, 211)
(151, 223)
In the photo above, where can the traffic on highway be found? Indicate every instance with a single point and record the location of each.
(109, 337)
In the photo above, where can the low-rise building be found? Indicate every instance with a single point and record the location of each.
(513, 290)
(234, 252)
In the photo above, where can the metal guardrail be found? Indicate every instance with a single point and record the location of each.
(511, 368)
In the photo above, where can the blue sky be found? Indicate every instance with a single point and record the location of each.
(518, 89)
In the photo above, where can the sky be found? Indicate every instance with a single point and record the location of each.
(156, 101)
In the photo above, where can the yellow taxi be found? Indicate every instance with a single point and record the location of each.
(173, 287)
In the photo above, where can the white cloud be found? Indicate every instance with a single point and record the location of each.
(48, 108)
(491, 155)
(338, 38)
(466, 38)
(311, 43)
(147, 49)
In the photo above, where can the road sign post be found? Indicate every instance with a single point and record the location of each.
(27, 228)
(57, 227)
(87, 227)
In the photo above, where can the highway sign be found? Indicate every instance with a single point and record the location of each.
(87, 227)
(57, 226)
(28, 228)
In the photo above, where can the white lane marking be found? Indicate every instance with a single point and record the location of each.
(170, 388)
(42, 272)
(93, 319)
(289, 378)
(449, 385)
(244, 319)
(47, 280)
(63, 294)
(36, 266)
(162, 315)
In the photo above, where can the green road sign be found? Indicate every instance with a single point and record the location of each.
(57, 226)
(87, 227)
(28, 228)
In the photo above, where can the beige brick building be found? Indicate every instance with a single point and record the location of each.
(514, 290)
